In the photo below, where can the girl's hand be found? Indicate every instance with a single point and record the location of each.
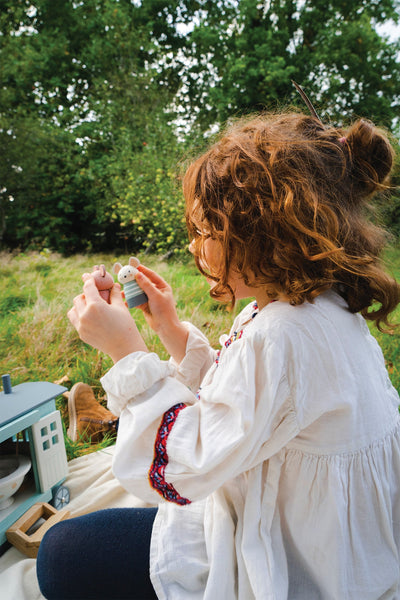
(160, 312)
(107, 327)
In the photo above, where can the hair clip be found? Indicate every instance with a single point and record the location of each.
(307, 101)
(343, 140)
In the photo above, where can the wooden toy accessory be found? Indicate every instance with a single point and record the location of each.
(18, 534)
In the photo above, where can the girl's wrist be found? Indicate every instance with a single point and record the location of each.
(121, 352)
(128, 344)
(174, 338)
(172, 330)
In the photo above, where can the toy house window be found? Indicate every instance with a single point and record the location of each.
(50, 439)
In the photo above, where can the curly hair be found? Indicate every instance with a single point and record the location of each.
(288, 201)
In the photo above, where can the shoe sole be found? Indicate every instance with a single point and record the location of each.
(72, 431)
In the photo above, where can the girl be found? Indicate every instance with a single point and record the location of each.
(275, 461)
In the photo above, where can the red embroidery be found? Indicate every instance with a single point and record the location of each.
(157, 469)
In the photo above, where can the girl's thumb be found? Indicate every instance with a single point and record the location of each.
(143, 282)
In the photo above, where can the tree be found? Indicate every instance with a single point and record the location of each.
(330, 47)
(90, 93)
(83, 86)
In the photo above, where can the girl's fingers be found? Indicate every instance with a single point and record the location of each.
(153, 276)
(73, 317)
(146, 284)
(90, 290)
(74, 313)
(79, 303)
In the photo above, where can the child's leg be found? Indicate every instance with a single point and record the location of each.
(103, 555)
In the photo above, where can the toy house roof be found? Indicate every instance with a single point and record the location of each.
(25, 397)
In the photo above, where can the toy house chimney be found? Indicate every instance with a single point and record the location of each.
(6, 384)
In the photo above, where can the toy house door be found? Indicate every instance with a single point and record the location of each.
(50, 455)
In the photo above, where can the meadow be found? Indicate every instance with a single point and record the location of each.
(37, 342)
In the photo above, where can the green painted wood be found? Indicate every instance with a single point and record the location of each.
(25, 397)
(19, 424)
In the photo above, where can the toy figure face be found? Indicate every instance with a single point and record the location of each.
(103, 280)
(126, 274)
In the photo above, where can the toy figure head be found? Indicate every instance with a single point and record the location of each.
(103, 280)
(128, 272)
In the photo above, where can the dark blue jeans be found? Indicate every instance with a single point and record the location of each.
(100, 556)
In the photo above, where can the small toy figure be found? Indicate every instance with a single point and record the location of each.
(134, 295)
(103, 280)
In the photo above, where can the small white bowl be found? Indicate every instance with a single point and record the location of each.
(13, 469)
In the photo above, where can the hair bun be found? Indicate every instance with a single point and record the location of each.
(372, 156)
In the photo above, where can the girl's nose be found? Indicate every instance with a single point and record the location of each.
(191, 247)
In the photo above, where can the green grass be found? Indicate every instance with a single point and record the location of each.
(37, 342)
(390, 344)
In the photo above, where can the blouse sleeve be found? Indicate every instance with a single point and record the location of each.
(179, 447)
(198, 359)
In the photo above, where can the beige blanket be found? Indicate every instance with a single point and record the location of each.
(92, 487)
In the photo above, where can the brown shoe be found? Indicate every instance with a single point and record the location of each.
(88, 419)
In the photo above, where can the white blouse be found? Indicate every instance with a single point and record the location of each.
(275, 462)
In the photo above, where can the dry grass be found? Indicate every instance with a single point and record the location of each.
(37, 342)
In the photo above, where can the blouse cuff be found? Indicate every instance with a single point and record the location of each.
(198, 358)
(131, 376)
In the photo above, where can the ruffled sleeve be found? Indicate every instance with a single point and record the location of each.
(176, 446)
(198, 359)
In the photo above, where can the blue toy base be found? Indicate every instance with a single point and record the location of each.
(136, 300)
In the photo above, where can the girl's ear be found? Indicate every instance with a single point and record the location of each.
(134, 262)
(117, 267)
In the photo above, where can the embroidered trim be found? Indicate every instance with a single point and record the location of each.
(160, 462)
(236, 335)
(255, 308)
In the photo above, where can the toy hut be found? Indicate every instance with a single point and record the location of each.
(33, 460)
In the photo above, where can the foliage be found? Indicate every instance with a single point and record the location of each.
(81, 96)
(332, 48)
(49, 202)
(148, 203)
(92, 95)
(390, 207)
